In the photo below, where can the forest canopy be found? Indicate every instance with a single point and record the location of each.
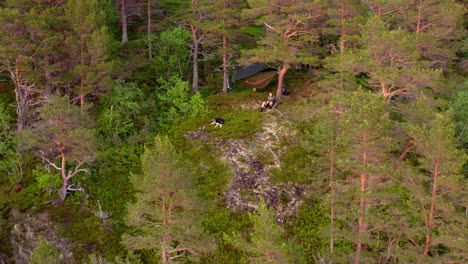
(130, 132)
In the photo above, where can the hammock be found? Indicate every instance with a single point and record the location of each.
(255, 75)
(260, 80)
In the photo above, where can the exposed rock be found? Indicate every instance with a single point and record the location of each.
(26, 232)
(201, 134)
(250, 179)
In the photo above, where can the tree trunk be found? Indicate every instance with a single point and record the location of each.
(225, 69)
(418, 22)
(164, 257)
(150, 55)
(124, 21)
(429, 224)
(63, 170)
(332, 194)
(282, 73)
(362, 201)
(63, 191)
(195, 59)
(21, 97)
(342, 45)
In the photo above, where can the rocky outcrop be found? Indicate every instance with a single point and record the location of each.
(250, 175)
(26, 232)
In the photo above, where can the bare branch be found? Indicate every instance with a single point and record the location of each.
(50, 163)
(75, 188)
(272, 28)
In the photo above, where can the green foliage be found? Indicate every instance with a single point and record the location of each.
(62, 125)
(266, 243)
(163, 217)
(9, 156)
(45, 253)
(221, 220)
(296, 165)
(211, 176)
(176, 103)
(90, 40)
(460, 107)
(308, 230)
(171, 58)
(240, 124)
(27, 198)
(438, 186)
(109, 183)
(40, 189)
(86, 232)
(121, 114)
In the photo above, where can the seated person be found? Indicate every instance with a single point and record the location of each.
(269, 102)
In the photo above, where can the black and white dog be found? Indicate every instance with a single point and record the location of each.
(218, 121)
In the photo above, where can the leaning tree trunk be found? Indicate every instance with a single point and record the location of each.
(282, 73)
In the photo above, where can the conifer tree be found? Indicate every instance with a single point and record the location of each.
(438, 187)
(18, 46)
(290, 30)
(343, 19)
(226, 21)
(195, 16)
(364, 142)
(89, 45)
(64, 138)
(438, 26)
(390, 58)
(267, 244)
(163, 215)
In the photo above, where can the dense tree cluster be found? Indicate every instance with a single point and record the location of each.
(100, 94)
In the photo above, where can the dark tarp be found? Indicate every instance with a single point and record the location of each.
(249, 71)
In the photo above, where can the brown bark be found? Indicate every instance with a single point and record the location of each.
(123, 13)
(342, 44)
(332, 195)
(21, 95)
(282, 73)
(418, 22)
(225, 62)
(82, 75)
(164, 258)
(362, 201)
(63, 171)
(150, 55)
(430, 219)
(196, 46)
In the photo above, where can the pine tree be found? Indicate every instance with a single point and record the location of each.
(364, 142)
(18, 46)
(226, 21)
(290, 30)
(89, 44)
(438, 26)
(64, 138)
(163, 215)
(195, 16)
(437, 186)
(343, 19)
(266, 244)
(390, 58)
